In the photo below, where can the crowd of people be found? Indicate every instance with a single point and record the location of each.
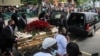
(59, 45)
(7, 36)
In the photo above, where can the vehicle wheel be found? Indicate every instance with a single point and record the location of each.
(92, 33)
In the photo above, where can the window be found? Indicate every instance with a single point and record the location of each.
(76, 19)
(57, 16)
(96, 18)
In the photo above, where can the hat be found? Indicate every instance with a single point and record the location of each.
(48, 42)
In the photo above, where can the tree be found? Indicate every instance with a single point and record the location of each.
(80, 2)
(63, 0)
(30, 1)
(69, 1)
(93, 3)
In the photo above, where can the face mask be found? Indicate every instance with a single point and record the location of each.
(54, 52)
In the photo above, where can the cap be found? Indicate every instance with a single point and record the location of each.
(48, 42)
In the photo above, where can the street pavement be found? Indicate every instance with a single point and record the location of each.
(89, 45)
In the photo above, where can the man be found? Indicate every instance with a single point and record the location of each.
(41, 15)
(22, 21)
(61, 41)
(63, 22)
(2, 23)
(48, 47)
(15, 17)
(8, 38)
(73, 49)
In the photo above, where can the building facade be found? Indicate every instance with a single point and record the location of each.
(56, 2)
(10, 2)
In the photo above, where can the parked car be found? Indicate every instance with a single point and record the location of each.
(55, 17)
(83, 23)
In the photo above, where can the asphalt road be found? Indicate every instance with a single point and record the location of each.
(89, 45)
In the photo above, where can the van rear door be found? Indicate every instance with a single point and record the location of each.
(56, 17)
(76, 22)
(97, 21)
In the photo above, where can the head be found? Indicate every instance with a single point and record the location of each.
(73, 49)
(23, 15)
(49, 43)
(11, 22)
(16, 11)
(72, 8)
(62, 30)
(67, 9)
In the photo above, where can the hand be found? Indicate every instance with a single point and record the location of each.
(3, 54)
(17, 39)
(68, 38)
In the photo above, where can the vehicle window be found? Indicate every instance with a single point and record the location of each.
(76, 19)
(96, 18)
(90, 19)
(57, 16)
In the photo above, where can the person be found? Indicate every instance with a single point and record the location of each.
(7, 53)
(15, 17)
(73, 49)
(48, 47)
(22, 21)
(63, 22)
(2, 23)
(8, 38)
(41, 15)
(61, 41)
(68, 11)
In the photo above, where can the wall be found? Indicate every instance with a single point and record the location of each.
(9, 2)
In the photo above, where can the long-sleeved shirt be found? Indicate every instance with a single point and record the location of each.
(61, 43)
(42, 54)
